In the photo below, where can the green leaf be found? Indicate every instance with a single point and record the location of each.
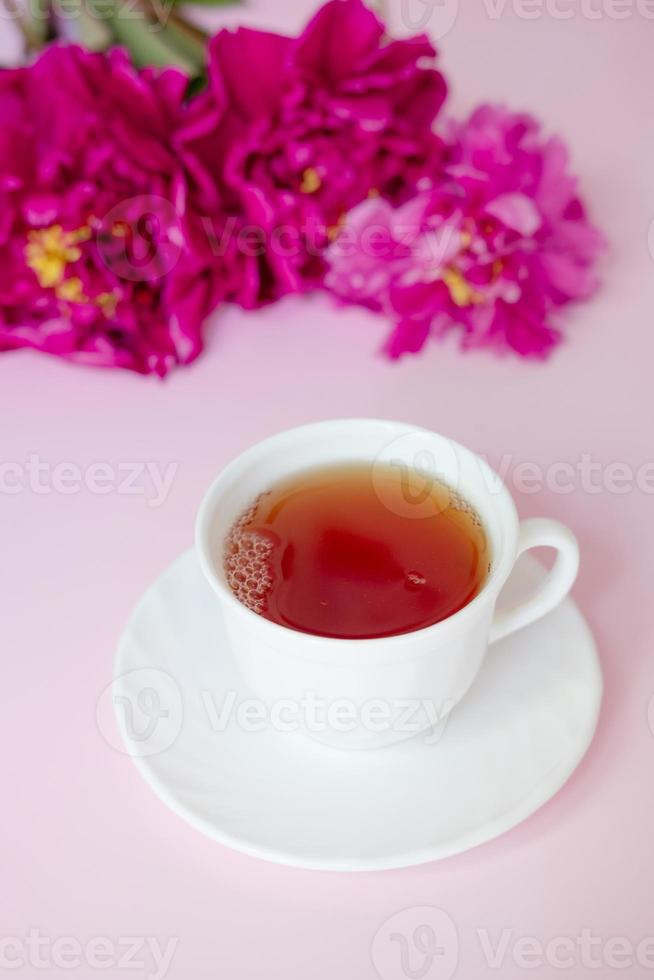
(189, 40)
(196, 85)
(148, 47)
(149, 40)
(32, 20)
(207, 3)
(89, 29)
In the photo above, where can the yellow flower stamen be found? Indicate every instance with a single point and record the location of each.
(50, 250)
(333, 230)
(461, 291)
(81, 234)
(311, 181)
(107, 303)
(71, 291)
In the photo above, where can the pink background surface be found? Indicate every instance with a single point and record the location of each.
(87, 849)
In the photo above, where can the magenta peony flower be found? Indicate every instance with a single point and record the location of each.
(299, 131)
(101, 256)
(496, 246)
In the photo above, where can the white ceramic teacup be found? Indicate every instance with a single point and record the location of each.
(369, 693)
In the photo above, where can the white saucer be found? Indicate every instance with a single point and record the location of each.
(505, 750)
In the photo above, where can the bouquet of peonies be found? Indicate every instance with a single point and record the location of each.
(133, 206)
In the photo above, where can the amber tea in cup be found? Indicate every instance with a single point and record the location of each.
(354, 551)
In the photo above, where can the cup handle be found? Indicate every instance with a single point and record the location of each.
(537, 532)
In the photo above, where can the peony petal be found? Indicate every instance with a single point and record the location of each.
(247, 70)
(340, 36)
(409, 337)
(567, 277)
(517, 212)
